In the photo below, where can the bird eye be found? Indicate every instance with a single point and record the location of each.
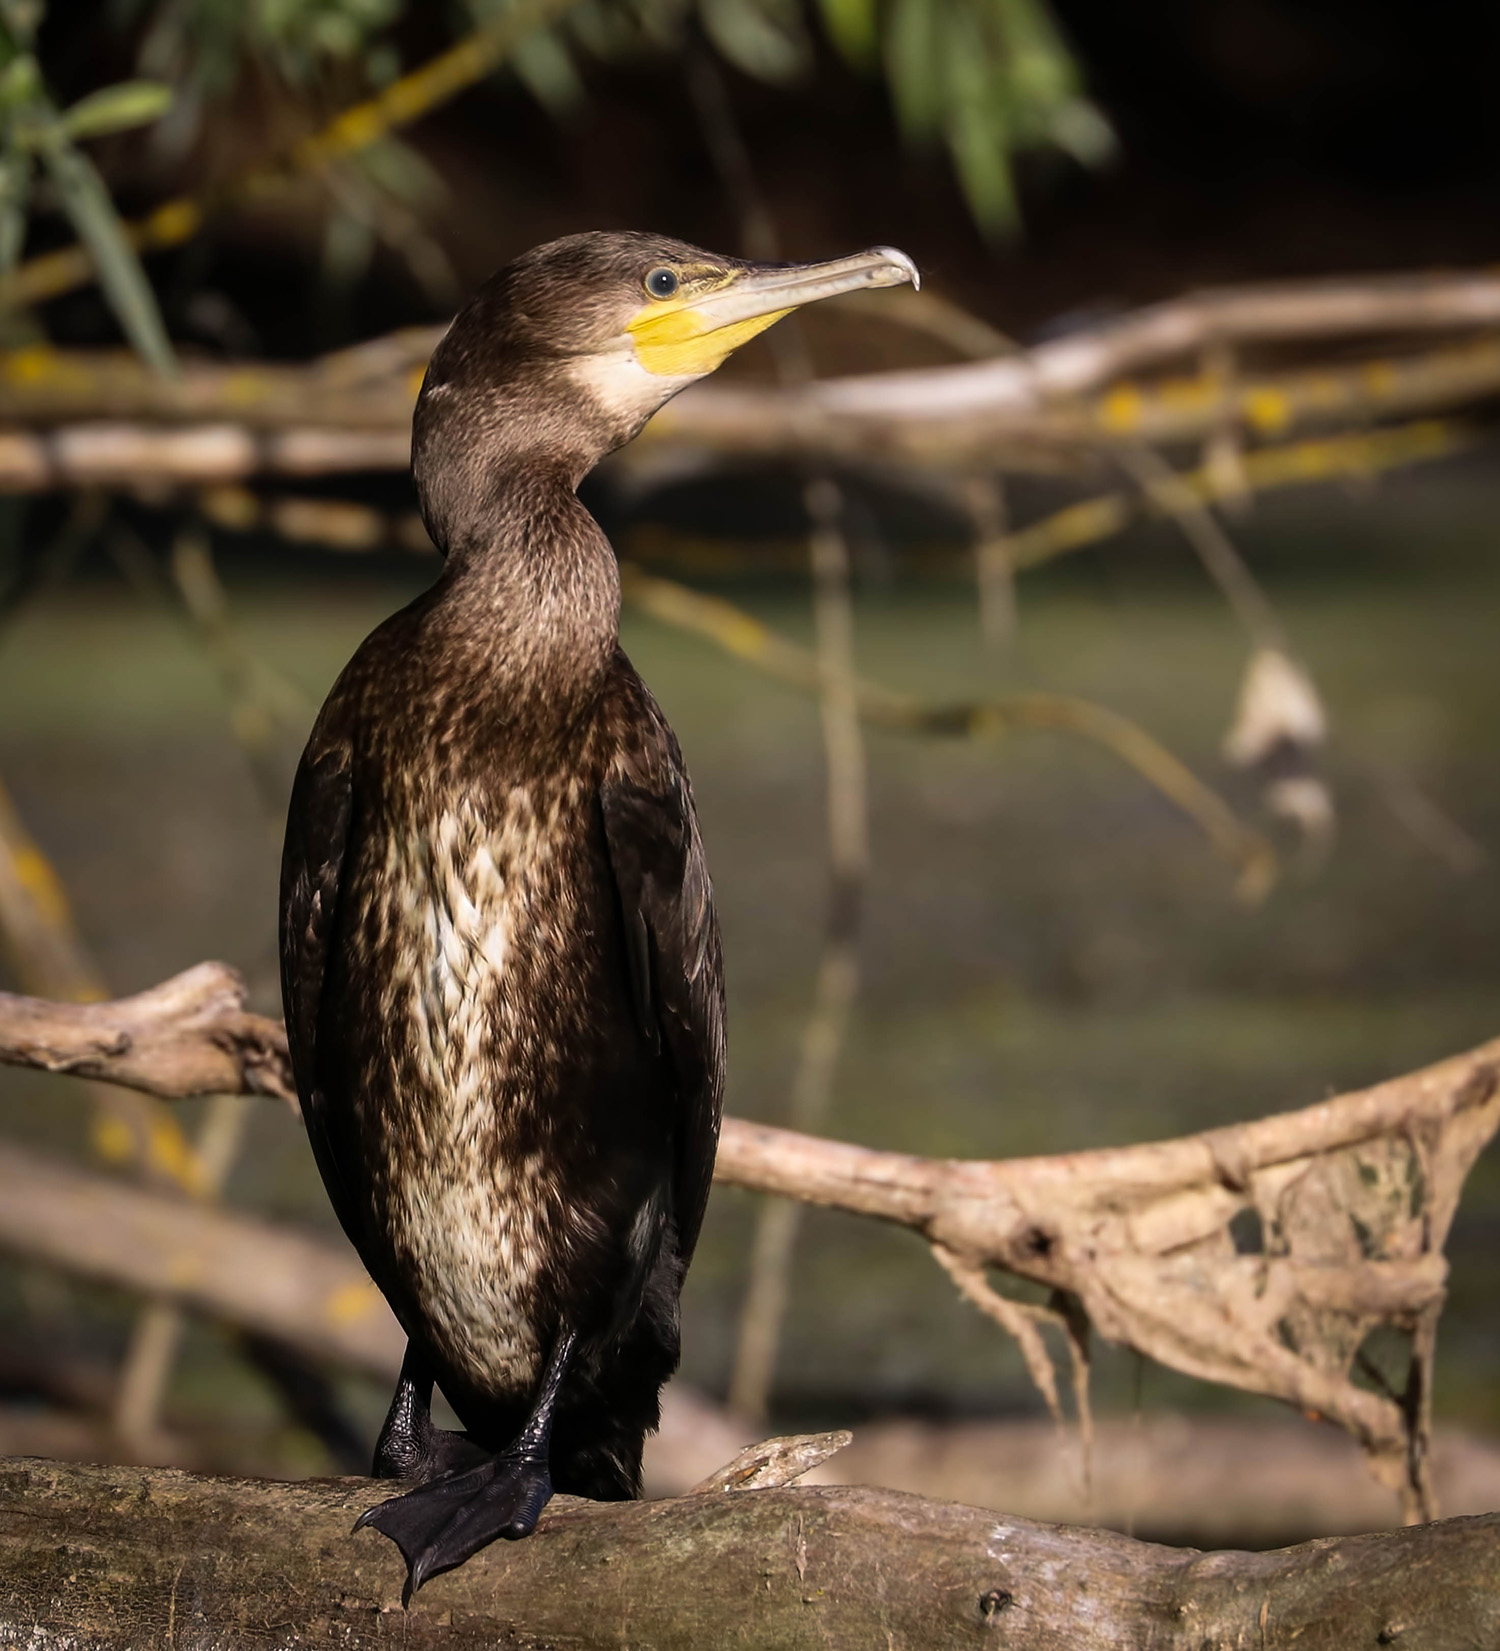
(661, 283)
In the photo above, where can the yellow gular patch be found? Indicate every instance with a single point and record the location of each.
(679, 343)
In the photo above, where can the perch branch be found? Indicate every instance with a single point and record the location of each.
(103, 1556)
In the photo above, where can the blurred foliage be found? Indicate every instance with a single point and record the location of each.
(36, 135)
(988, 78)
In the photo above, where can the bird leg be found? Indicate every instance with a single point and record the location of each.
(411, 1446)
(441, 1523)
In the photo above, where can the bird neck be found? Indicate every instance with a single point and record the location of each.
(531, 591)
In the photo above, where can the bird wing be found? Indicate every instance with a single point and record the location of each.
(671, 943)
(312, 861)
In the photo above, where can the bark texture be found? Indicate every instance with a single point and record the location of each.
(156, 1559)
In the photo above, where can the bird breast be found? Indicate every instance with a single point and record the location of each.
(482, 909)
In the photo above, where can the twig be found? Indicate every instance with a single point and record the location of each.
(994, 567)
(258, 695)
(157, 1333)
(1019, 1320)
(1293, 464)
(1223, 563)
(744, 636)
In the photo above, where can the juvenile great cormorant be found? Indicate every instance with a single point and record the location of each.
(500, 961)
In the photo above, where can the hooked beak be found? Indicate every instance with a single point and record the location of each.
(690, 336)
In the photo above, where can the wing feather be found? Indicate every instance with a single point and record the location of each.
(312, 864)
(672, 945)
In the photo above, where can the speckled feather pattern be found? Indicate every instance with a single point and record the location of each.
(507, 1133)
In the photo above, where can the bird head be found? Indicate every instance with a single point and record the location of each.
(567, 351)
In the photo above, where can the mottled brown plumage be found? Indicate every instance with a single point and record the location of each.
(501, 965)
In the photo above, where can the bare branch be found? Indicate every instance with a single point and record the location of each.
(1353, 1198)
(231, 1267)
(94, 418)
(188, 1036)
(775, 1462)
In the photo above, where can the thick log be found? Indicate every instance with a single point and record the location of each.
(166, 1561)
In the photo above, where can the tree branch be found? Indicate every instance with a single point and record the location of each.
(1352, 1199)
(101, 419)
(98, 1556)
(191, 1035)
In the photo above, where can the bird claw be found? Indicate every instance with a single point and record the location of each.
(440, 1524)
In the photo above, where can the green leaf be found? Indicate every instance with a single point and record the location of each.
(761, 37)
(979, 127)
(87, 203)
(117, 108)
(402, 172)
(348, 251)
(853, 27)
(546, 69)
(912, 65)
(19, 20)
(20, 84)
(15, 195)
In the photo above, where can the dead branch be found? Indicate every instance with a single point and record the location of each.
(157, 1559)
(188, 1036)
(1350, 1202)
(775, 1462)
(304, 1290)
(89, 418)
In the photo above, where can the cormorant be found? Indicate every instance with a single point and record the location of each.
(500, 961)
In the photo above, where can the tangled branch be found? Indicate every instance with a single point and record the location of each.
(1348, 1203)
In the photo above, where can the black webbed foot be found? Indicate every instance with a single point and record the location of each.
(444, 1522)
